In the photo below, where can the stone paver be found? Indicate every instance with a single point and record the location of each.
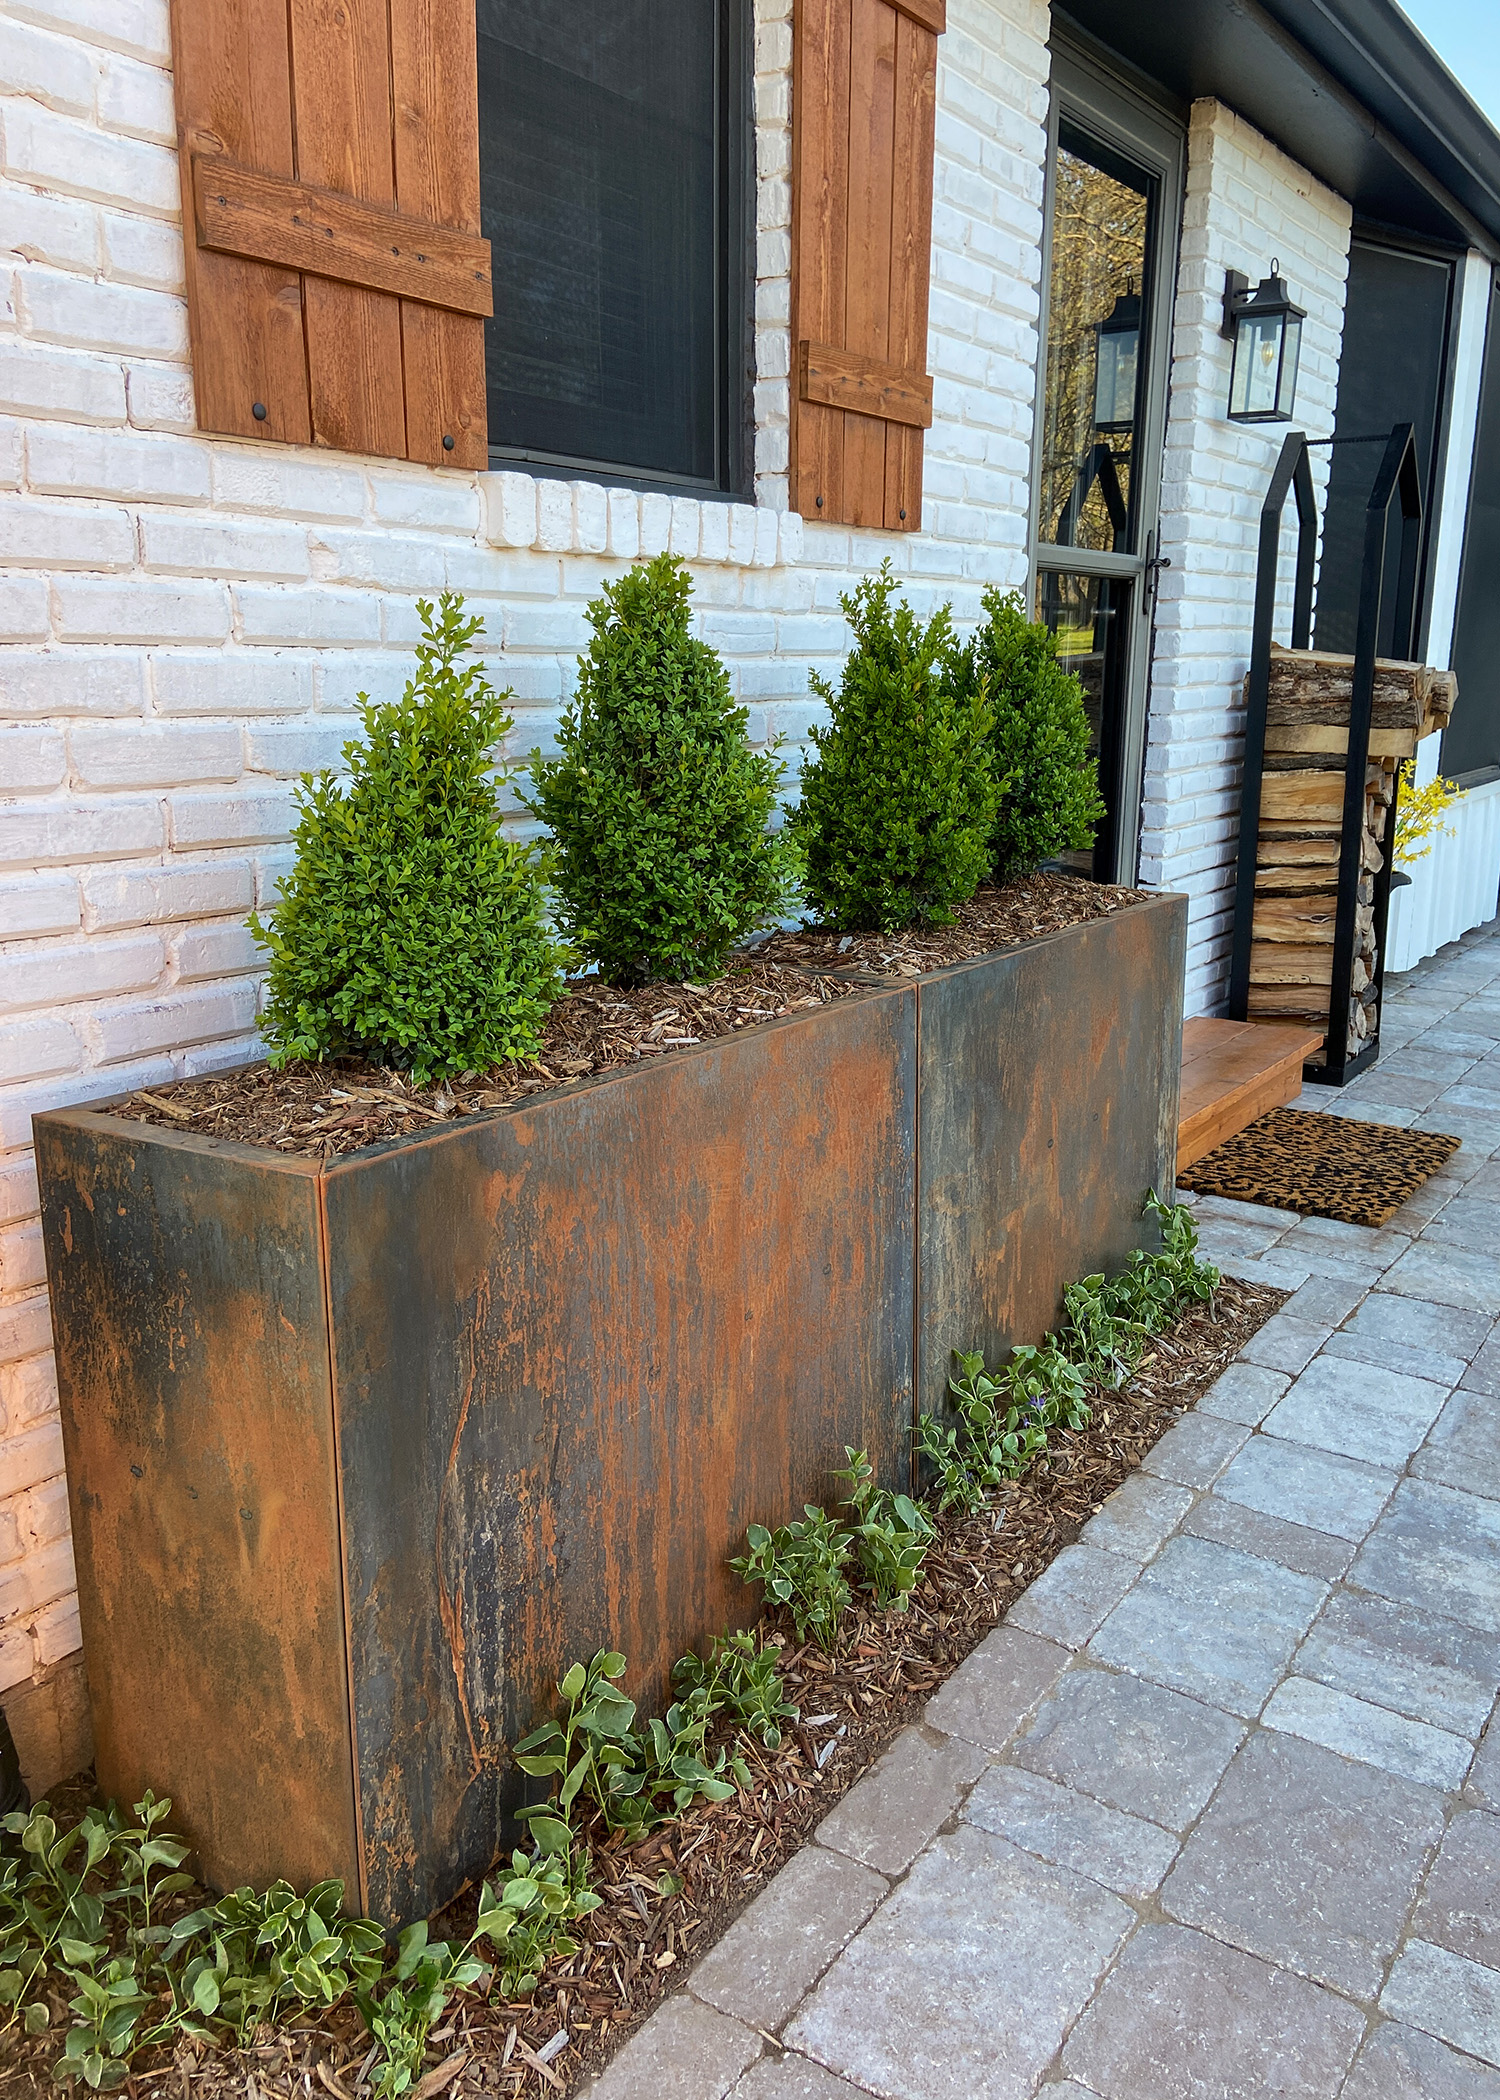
(903, 1800)
(1463, 1448)
(1133, 1745)
(1182, 2018)
(1307, 1861)
(1446, 1995)
(773, 1952)
(1205, 1818)
(1399, 2063)
(1210, 1621)
(1357, 1411)
(967, 1978)
(1059, 1824)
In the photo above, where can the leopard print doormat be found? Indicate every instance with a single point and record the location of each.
(1322, 1166)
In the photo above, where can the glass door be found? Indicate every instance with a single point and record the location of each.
(1113, 200)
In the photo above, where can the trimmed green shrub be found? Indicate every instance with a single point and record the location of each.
(658, 807)
(899, 804)
(1041, 739)
(410, 929)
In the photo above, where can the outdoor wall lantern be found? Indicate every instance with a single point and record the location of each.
(1266, 330)
(1118, 346)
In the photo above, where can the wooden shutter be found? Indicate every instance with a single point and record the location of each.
(337, 283)
(864, 94)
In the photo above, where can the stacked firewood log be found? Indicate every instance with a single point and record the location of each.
(1301, 823)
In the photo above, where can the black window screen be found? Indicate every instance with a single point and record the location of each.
(611, 142)
(1391, 370)
(1471, 743)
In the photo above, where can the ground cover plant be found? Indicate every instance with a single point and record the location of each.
(410, 930)
(605, 1905)
(661, 854)
(1041, 739)
(899, 803)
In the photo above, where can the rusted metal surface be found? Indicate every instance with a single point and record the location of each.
(192, 1360)
(362, 1455)
(1047, 1083)
(578, 1348)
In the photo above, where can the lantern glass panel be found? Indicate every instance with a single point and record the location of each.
(1114, 378)
(1254, 386)
(1291, 352)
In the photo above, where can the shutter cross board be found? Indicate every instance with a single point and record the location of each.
(266, 217)
(864, 100)
(337, 278)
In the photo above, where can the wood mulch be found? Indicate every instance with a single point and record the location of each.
(319, 1110)
(888, 1664)
(994, 917)
(348, 1103)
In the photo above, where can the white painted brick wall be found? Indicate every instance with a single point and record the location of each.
(185, 622)
(1246, 202)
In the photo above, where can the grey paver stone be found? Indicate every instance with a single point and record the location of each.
(775, 1951)
(1126, 1853)
(1133, 1745)
(903, 1800)
(1228, 1210)
(1483, 1374)
(1468, 1221)
(1463, 1449)
(1394, 1356)
(1394, 1089)
(1210, 1621)
(1429, 1669)
(1454, 1276)
(1270, 1538)
(1196, 1451)
(1356, 1728)
(1445, 1995)
(1277, 1270)
(685, 2051)
(1226, 1242)
(1308, 1862)
(1071, 1599)
(1483, 1783)
(967, 1977)
(1182, 2018)
(1446, 1330)
(1460, 1906)
(1438, 1549)
(1357, 1411)
(1342, 1496)
(1324, 1301)
(792, 2078)
(1285, 1344)
(1443, 1062)
(1467, 1098)
(1136, 1518)
(1244, 1393)
(990, 1695)
(1399, 2063)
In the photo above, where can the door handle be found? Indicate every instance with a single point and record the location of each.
(1151, 569)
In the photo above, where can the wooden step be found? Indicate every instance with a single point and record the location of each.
(1232, 1072)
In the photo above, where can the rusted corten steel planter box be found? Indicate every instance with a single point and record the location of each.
(361, 1455)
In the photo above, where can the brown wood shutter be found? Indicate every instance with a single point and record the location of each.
(337, 283)
(864, 97)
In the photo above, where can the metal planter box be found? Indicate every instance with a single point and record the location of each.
(360, 1455)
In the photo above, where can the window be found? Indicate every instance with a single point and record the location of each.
(615, 156)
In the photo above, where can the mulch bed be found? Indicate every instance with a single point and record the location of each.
(994, 917)
(324, 1109)
(888, 1664)
(349, 1103)
(1321, 1166)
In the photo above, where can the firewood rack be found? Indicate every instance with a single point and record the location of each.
(1397, 480)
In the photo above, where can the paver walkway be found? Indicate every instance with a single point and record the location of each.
(1214, 1815)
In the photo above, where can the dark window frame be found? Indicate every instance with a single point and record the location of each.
(734, 273)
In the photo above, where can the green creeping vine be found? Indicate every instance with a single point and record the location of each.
(801, 1565)
(1004, 1417)
(891, 1534)
(86, 1907)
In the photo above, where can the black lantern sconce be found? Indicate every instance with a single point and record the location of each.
(1266, 330)
(1116, 356)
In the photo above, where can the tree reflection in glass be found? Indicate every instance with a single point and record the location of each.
(1100, 229)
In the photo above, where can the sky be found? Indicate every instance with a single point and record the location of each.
(1466, 36)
